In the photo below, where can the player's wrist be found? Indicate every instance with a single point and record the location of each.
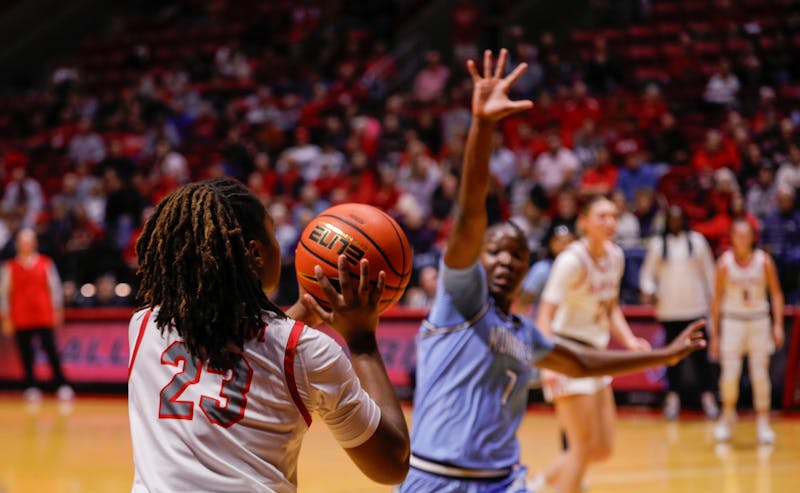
(362, 342)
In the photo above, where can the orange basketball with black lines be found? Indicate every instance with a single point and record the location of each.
(356, 231)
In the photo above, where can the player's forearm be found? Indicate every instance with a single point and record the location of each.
(464, 244)
(368, 365)
(714, 316)
(595, 362)
(621, 330)
(475, 170)
(777, 302)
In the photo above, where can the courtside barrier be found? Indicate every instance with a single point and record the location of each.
(94, 348)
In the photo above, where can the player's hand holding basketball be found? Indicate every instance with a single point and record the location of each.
(490, 101)
(691, 339)
(354, 313)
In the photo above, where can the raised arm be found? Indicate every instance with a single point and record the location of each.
(490, 103)
(776, 301)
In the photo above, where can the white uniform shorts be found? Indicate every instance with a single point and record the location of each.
(565, 386)
(741, 336)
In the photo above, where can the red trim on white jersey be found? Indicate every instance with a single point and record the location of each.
(145, 319)
(288, 370)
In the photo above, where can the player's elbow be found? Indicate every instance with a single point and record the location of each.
(385, 457)
(394, 466)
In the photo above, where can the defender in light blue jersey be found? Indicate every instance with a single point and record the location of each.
(474, 357)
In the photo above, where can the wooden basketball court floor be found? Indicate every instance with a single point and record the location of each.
(85, 448)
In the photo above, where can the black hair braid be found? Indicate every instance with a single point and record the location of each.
(195, 266)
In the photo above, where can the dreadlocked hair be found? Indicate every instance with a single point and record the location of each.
(195, 265)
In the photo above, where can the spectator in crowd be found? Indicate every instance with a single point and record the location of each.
(86, 146)
(421, 297)
(304, 155)
(788, 175)
(648, 212)
(668, 142)
(502, 163)
(628, 229)
(717, 228)
(31, 302)
(781, 239)
(536, 278)
(171, 164)
(420, 176)
(566, 213)
(430, 82)
(678, 278)
(534, 221)
(762, 196)
(722, 88)
(23, 197)
(636, 175)
(556, 167)
(600, 178)
(716, 153)
(602, 73)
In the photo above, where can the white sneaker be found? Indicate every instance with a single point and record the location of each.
(672, 406)
(32, 394)
(709, 405)
(65, 393)
(722, 430)
(765, 434)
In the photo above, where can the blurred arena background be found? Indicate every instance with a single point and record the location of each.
(106, 107)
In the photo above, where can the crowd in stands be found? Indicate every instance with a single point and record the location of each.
(296, 104)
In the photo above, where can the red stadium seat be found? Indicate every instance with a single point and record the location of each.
(670, 31)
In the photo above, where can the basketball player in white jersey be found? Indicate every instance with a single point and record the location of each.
(221, 383)
(740, 325)
(580, 303)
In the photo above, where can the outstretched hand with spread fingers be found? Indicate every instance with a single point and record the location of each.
(690, 340)
(490, 99)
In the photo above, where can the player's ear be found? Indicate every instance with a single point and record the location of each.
(257, 252)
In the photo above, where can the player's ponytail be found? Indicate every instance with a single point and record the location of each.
(195, 266)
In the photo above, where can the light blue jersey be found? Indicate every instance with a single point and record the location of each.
(473, 369)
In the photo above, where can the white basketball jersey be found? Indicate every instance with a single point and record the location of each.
(198, 429)
(745, 292)
(584, 290)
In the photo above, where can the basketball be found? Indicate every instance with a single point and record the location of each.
(356, 231)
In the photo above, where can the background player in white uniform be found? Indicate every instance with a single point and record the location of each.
(580, 303)
(221, 382)
(740, 325)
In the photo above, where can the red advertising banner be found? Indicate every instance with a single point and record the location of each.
(95, 351)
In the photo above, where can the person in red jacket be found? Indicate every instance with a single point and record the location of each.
(31, 301)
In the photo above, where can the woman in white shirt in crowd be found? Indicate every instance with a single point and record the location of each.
(678, 277)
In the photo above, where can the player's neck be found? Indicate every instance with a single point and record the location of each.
(743, 257)
(596, 247)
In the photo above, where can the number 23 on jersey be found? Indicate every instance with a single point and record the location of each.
(224, 408)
